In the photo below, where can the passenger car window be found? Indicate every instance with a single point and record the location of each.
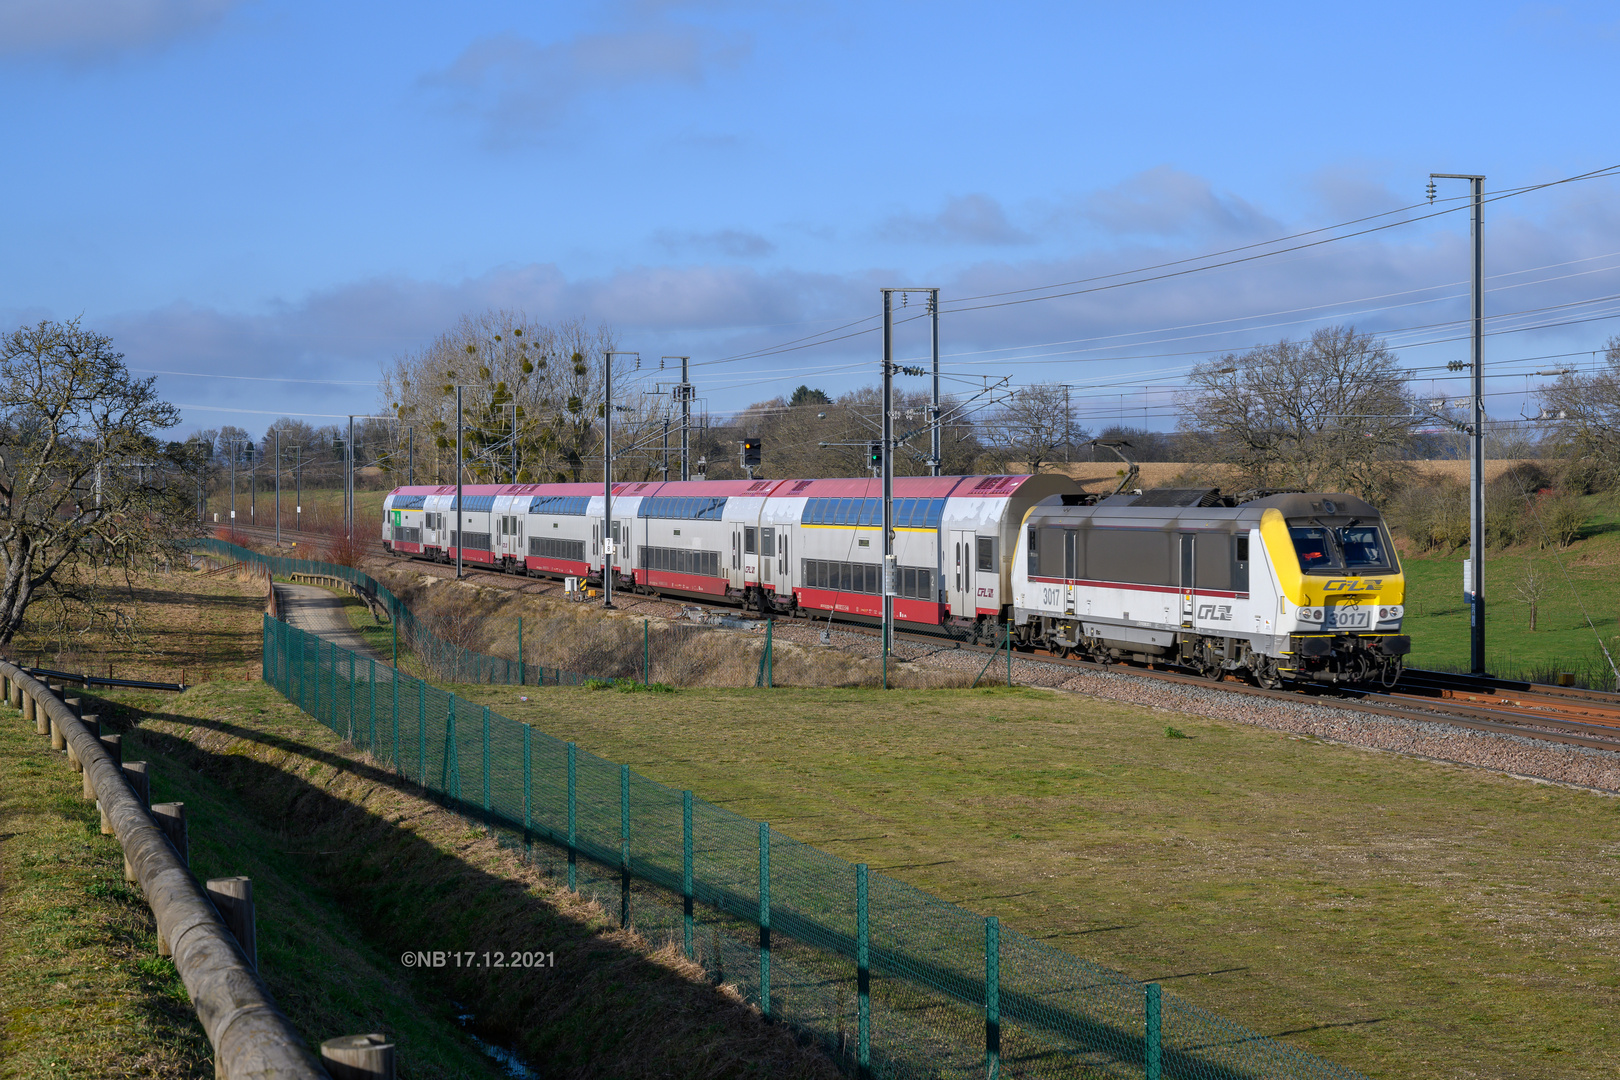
(987, 553)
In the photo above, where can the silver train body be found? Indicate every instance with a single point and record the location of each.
(1302, 587)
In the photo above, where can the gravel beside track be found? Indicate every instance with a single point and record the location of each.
(1431, 739)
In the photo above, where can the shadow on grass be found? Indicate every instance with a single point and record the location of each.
(606, 1008)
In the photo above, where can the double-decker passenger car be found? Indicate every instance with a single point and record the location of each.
(1288, 586)
(791, 546)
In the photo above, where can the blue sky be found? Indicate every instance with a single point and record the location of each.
(300, 191)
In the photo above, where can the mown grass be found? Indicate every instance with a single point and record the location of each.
(183, 627)
(1405, 918)
(83, 992)
(1579, 582)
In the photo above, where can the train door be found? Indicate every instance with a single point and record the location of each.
(1071, 569)
(962, 574)
(736, 574)
(1188, 578)
(750, 554)
(767, 554)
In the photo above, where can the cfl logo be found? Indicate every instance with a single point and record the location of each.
(1215, 612)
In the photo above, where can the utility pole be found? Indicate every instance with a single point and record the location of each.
(888, 481)
(684, 393)
(235, 449)
(298, 486)
(607, 479)
(665, 469)
(934, 454)
(410, 456)
(348, 487)
(457, 533)
(278, 487)
(1474, 571)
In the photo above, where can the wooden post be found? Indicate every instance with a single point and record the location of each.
(233, 896)
(58, 740)
(113, 745)
(31, 712)
(74, 704)
(171, 818)
(93, 723)
(135, 772)
(359, 1057)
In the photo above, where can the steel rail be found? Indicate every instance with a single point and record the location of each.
(1526, 723)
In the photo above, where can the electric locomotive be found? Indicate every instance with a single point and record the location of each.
(1294, 586)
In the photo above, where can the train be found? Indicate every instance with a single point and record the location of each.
(1274, 587)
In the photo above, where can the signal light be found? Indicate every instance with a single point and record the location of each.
(875, 453)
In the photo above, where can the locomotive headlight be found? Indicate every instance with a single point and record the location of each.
(1310, 614)
(1390, 613)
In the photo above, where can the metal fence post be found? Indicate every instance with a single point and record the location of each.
(351, 697)
(1151, 1030)
(573, 814)
(451, 783)
(371, 713)
(646, 655)
(1009, 653)
(863, 981)
(394, 682)
(303, 670)
(528, 792)
(488, 820)
(393, 633)
(264, 654)
(992, 997)
(686, 867)
(769, 654)
(421, 733)
(521, 672)
(765, 920)
(624, 847)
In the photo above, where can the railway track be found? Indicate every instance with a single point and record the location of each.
(1545, 713)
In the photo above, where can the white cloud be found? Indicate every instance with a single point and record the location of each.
(734, 243)
(94, 29)
(1165, 201)
(519, 88)
(965, 219)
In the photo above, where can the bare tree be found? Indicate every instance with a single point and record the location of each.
(1531, 589)
(540, 385)
(1329, 414)
(83, 477)
(1031, 428)
(1586, 410)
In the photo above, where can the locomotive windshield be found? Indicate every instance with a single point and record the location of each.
(1349, 547)
(1363, 547)
(1315, 548)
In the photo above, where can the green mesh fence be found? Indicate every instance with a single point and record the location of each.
(891, 981)
(438, 658)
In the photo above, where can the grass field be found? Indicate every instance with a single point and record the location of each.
(1581, 583)
(1405, 918)
(183, 627)
(83, 992)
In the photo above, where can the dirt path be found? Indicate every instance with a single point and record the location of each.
(319, 612)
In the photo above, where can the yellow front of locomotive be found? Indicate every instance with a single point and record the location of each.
(1342, 595)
